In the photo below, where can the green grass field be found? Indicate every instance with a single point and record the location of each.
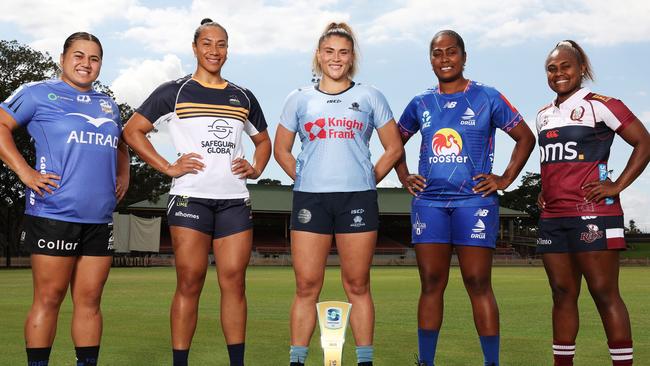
(136, 326)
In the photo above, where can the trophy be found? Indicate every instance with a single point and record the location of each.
(333, 319)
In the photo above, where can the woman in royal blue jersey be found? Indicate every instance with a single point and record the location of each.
(581, 225)
(209, 205)
(455, 204)
(81, 171)
(335, 193)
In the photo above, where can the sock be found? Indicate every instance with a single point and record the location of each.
(365, 355)
(621, 353)
(490, 347)
(180, 356)
(236, 354)
(298, 354)
(38, 356)
(563, 353)
(87, 356)
(427, 342)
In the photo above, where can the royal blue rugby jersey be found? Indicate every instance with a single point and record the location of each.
(75, 135)
(207, 120)
(335, 131)
(457, 141)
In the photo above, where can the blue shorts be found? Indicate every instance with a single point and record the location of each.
(580, 234)
(218, 218)
(471, 226)
(337, 212)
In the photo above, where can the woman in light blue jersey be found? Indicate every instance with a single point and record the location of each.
(81, 171)
(455, 205)
(335, 193)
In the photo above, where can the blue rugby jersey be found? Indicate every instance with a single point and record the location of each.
(75, 136)
(457, 141)
(335, 131)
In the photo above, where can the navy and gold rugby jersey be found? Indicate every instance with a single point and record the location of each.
(574, 141)
(208, 120)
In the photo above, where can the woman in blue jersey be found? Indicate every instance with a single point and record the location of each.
(455, 204)
(335, 185)
(209, 205)
(81, 171)
(581, 226)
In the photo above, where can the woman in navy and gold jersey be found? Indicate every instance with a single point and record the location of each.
(209, 204)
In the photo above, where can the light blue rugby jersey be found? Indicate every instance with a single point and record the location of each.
(457, 141)
(75, 135)
(335, 131)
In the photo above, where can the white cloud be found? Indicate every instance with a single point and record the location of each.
(51, 22)
(253, 26)
(635, 201)
(141, 77)
(597, 21)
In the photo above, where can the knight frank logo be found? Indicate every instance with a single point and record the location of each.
(592, 235)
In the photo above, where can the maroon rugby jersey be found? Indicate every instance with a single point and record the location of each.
(573, 139)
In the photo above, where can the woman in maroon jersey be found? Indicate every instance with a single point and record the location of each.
(581, 225)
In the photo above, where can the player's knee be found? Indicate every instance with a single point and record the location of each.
(232, 281)
(478, 285)
(433, 283)
(90, 298)
(358, 287)
(604, 295)
(306, 288)
(50, 298)
(563, 293)
(190, 283)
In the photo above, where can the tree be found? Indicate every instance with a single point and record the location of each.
(269, 182)
(19, 64)
(524, 197)
(633, 229)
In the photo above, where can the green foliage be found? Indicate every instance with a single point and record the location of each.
(524, 197)
(269, 182)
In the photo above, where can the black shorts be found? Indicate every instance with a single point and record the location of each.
(216, 217)
(338, 212)
(66, 239)
(580, 234)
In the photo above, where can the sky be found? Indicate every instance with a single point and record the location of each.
(271, 44)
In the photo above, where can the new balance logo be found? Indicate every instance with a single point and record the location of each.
(450, 105)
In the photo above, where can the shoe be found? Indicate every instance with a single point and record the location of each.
(417, 360)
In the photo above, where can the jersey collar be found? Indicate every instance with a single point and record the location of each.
(580, 94)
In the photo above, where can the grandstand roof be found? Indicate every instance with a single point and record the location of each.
(277, 199)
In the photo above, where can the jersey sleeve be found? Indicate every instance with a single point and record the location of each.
(503, 115)
(289, 116)
(256, 122)
(613, 112)
(380, 109)
(160, 102)
(409, 124)
(20, 105)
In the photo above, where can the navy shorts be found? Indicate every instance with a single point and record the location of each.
(337, 212)
(66, 239)
(471, 226)
(216, 217)
(580, 234)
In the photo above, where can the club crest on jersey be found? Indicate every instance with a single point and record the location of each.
(233, 100)
(577, 114)
(467, 119)
(592, 234)
(355, 107)
(106, 107)
(426, 119)
(446, 146)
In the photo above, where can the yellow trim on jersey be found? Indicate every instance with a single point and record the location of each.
(210, 114)
(211, 86)
(214, 106)
(209, 110)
